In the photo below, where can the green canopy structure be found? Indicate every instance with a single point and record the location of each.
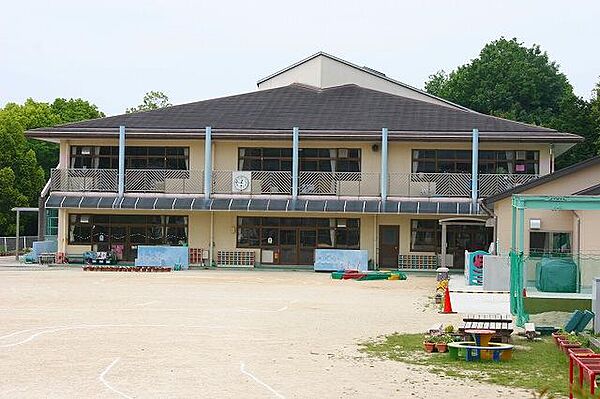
(519, 204)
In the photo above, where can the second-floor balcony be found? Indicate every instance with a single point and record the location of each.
(342, 184)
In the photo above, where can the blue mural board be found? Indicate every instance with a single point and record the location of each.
(40, 247)
(331, 260)
(162, 255)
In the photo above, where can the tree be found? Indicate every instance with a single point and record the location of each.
(25, 164)
(152, 100)
(21, 178)
(520, 83)
(34, 114)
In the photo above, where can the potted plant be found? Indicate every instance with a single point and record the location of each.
(559, 334)
(442, 342)
(429, 344)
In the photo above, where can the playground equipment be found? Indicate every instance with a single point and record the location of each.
(364, 276)
(481, 348)
(474, 267)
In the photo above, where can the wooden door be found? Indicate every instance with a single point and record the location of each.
(389, 240)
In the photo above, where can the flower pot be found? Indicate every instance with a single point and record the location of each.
(429, 347)
(441, 347)
(557, 336)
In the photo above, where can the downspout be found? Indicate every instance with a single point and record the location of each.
(578, 229)
(491, 214)
(551, 158)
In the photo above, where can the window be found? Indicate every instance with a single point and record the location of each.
(545, 243)
(425, 235)
(490, 162)
(107, 157)
(256, 232)
(136, 229)
(311, 159)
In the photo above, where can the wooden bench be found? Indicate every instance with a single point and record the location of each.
(500, 323)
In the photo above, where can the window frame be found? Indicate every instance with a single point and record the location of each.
(486, 158)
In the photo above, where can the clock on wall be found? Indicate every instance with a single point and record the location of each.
(241, 181)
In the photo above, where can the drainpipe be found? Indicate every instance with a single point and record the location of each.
(295, 161)
(384, 163)
(551, 158)
(491, 214)
(121, 188)
(207, 163)
(578, 221)
(475, 167)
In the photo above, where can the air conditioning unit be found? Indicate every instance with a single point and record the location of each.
(241, 182)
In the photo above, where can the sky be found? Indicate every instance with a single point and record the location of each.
(111, 52)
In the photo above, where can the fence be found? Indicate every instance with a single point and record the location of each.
(7, 244)
(84, 179)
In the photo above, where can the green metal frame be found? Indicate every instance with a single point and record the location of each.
(519, 204)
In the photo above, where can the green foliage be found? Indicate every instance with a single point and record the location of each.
(521, 83)
(152, 100)
(535, 365)
(25, 164)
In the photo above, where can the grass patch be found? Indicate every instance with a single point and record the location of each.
(535, 365)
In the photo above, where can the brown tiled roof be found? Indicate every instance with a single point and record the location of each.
(342, 111)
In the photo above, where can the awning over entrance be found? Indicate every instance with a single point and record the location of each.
(262, 204)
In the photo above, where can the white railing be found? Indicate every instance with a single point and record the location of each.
(84, 179)
(491, 184)
(339, 183)
(429, 185)
(164, 181)
(280, 182)
(252, 182)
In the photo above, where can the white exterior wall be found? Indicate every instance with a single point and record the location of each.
(323, 72)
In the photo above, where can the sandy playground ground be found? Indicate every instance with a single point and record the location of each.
(212, 334)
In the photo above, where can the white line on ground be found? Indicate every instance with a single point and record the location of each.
(274, 392)
(47, 330)
(106, 384)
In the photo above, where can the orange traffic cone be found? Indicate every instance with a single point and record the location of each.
(447, 303)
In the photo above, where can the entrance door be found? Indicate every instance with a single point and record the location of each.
(308, 243)
(389, 239)
(288, 246)
(467, 237)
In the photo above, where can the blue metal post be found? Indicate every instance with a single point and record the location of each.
(121, 183)
(384, 163)
(475, 167)
(207, 162)
(295, 162)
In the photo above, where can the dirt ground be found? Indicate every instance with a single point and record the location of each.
(212, 334)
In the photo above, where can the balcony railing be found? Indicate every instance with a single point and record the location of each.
(491, 184)
(451, 184)
(164, 181)
(136, 180)
(429, 185)
(255, 182)
(84, 179)
(339, 183)
(351, 184)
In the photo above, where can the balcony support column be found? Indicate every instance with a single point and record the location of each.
(121, 183)
(295, 161)
(207, 163)
(384, 163)
(475, 168)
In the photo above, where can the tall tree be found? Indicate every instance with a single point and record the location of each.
(152, 100)
(33, 114)
(25, 164)
(516, 82)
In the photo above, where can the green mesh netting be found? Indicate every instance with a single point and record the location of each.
(557, 273)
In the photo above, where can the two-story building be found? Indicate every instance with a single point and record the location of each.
(325, 154)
